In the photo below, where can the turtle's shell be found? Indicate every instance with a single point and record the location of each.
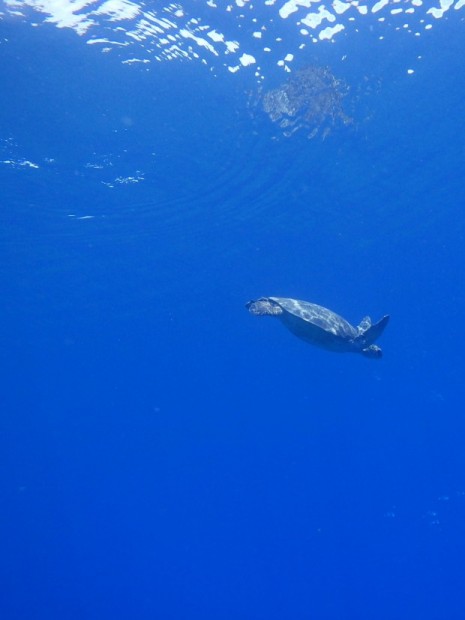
(316, 324)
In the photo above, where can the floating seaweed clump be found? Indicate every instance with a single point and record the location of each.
(312, 100)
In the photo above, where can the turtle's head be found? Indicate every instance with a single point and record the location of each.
(372, 351)
(263, 306)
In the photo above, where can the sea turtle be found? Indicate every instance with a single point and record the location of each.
(322, 327)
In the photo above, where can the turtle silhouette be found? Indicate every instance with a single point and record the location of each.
(322, 327)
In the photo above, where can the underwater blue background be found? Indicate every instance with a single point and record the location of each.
(163, 453)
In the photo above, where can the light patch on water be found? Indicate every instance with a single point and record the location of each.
(329, 32)
(246, 60)
(293, 5)
(131, 61)
(118, 10)
(19, 163)
(106, 42)
(215, 36)
(138, 177)
(62, 13)
(341, 7)
(225, 35)
(379, 5)
(199, 40)
(313, 20)
(439, 12)
(130, 180)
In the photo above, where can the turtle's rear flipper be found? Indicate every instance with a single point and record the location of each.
(365, 324)
(375, 331)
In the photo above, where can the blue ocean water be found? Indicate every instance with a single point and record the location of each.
(163, 453)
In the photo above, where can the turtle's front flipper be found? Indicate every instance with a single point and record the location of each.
(375, 331)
